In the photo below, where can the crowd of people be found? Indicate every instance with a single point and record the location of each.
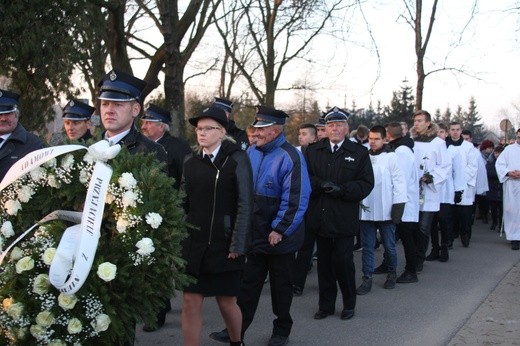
(264, 208)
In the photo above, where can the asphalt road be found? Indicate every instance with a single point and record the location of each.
(433, 311)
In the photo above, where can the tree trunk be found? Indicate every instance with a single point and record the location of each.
(116, 41)
(174, 93)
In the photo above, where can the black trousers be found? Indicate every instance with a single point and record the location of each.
(496, 212)
(407, 232)
(463, 219)
(303, 259)
(279, 268)
(422, 238)
(336, 264)
(442, 223)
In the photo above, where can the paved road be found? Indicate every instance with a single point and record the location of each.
(453, 302)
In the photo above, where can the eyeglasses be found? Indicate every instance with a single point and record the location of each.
(206, 129)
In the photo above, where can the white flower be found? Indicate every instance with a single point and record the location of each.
(53, 181)
(7, 302)
(67, 301)
(88, 158)
(83, 176)
(107, 271)
(12, 206)
(109, 198)
(74, 326)
(38, 331)
(15, 310)
(7, 229)
(122, 224)
(20, 334)
(38, 174)
(67, 162)
(56, 342)
(25, 193)
(48, 255)
(45, 319)
(127, 181)
(129, 199)
(154, 220)
(41, 284)
(16, 254)
(101, 323)
(24, 264)
(145, 246)
(51, 163)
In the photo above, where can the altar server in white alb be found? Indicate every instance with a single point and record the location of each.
(508, 170)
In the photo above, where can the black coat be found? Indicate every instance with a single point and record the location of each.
(336, 214)
(219, 203)
(136, 142)
(176, 151)
(19, 144)
(239, 135)
(495, 192)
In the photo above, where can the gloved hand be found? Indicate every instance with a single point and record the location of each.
(397, 213)
(458, 196)
(329, 187)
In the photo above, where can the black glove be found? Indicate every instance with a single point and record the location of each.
(458, 196)
(329, 187)
(397, 212)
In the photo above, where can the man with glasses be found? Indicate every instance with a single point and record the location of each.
(341, 177)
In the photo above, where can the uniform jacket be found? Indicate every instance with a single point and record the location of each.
(176, 151)
(219, 202)
(239, 135)
(136, 142)
(282, 192)
(336, 214)
(19, 144)
(389, 186)
(403, 148)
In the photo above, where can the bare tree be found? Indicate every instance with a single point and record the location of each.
(261, 37)
(414, 17)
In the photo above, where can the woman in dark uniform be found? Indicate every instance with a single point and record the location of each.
(218, 182)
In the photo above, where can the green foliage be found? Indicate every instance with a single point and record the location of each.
(402, 105)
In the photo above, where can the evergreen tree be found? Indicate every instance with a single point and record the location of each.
(437, 117)
(446, 116)
(402, 105)
(471, 120)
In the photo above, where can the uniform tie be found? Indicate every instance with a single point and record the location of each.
(335, 148)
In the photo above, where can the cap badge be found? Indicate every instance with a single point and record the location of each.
(336, 109)
(71, 103)
(113, 76)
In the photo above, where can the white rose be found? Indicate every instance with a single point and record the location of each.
(53, 181)
(107, 271)
(38, 174)
(67, 301)
(24, 264)
(7, 229)
(20, 333)
(101, 323)
(41, 284)
(154, 220)
(74, 326)
(12, 206)
(15, 310)
(38, 331)
(56, 342)
(25, 193)
(129, 199)
(121, 225)
(16, 253)
(48, 255)
(127, 181)
(45, 319)
(67, 162)
(145, 246)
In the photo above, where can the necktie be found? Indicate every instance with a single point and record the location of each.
(335, 148)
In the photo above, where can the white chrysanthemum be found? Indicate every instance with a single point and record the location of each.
(7, 229)
(51, 163)
(12, 207)
(122, 224)
(83, 177)
(145, 246)
(88, 158)
(154, 220)
(38, 174)
(127, 181)
(129, 199)
(67, 162)
(25, 193)
(53, 181)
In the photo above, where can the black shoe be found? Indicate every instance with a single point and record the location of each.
(382, 269)
(444, 255)
(321, 314)
(433, 256)
(464, 240)
(347, 314)
(278, 340)
(365, 287)
(515, 244)
(419, 267)
(221, 336)
(493, 226)
(297, 291)
(407, 278)
(390, 281)
(450, 245)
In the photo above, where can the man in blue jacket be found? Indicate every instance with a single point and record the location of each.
(282, 190)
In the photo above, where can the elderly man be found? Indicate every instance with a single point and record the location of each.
(341, 177)
(15, 141)
(281, 197)
(76, 120)
(155, 124)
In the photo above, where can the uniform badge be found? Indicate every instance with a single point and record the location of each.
(71, 103)
(113, 76)
(349, 159)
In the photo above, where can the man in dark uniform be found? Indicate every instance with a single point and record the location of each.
(341, 176)
(239, 135)
(120, 104)
(76, 120)
(15, 141)
(155, 124)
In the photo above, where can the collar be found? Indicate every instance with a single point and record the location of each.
(214, 153)
(117, 138)
(338, 144)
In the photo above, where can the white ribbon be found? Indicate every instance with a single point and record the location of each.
(75, 253)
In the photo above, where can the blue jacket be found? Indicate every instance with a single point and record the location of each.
(282, 191)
